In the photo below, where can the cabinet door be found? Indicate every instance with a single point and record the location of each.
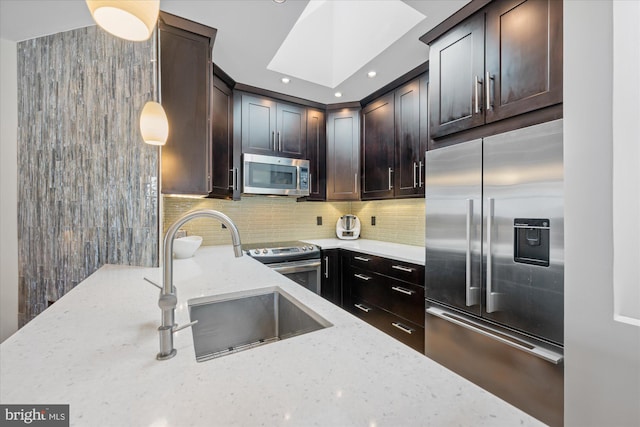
(407, 124)
(378, 142)
(223, 174)
(291, 130)
(331, 288)
(523, 57)
(343, 160)
(317, 154)
(186, 71)
(258, 125)
(424, 130)
(456, 68)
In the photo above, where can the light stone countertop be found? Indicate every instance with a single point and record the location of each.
(95, 349)
(397, 251)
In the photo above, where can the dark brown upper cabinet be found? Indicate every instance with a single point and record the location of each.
(394, 140)
(343, 154)
(226, 158)
(317, 154)
(378, 146)
(411, 121)
(186, 73)
(501, 62)
(273, 128)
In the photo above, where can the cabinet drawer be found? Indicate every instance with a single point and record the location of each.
(404, 271)
(401, 298)
(365, 261)
(405, 300)
(405, 332)
(368, 287)
(412, 273)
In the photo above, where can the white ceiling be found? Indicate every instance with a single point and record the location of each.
(249, 34)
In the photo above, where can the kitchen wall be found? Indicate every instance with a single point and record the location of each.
(263, 219)
(87, 184)
(602, 366)
(8, 189)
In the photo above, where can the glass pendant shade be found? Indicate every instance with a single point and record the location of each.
(154, 125)
(128, 19)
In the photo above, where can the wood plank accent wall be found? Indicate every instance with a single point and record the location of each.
(87, 184)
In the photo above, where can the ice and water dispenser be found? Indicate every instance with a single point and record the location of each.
(531, 241)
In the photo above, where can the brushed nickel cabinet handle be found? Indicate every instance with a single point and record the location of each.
(326, 267)
(477, 95)
(362, 277)
(390, 172)
(403, 290)
(403, 328)
(359, 258)
(362, 307)
(487, 88)
(402, 268)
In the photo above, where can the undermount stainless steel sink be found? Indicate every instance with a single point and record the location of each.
(239, 321)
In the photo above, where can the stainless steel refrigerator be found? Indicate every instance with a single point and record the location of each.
(495, 265)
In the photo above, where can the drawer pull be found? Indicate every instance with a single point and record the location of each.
(362, 277)
(403, 290)
(362, 307)
(403, 328)
(402, 268)
(359, 258)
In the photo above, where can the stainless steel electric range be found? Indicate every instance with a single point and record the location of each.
(298, 261)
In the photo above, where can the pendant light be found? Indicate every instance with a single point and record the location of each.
(154, 125)
(128, 19)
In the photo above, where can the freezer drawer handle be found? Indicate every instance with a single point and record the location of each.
(362, 307)
(515, 342)
(362, 277)
(402, 268)
(359, 258)
(403, 328)
(403, 290)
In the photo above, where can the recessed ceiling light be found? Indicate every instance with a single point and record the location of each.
(338, 94)
(371, 74)
(285, 80)
(279, 1)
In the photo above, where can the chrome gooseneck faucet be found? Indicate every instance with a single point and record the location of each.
(168, 299)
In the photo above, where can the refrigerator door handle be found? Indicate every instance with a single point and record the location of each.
(513, 341)
(493, 298)
(472, 294)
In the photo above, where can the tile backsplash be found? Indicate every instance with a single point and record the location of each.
(264, 219)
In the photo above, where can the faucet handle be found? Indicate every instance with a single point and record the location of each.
(186, 325)
(146, 279)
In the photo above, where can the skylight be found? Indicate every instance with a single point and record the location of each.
(333, 39)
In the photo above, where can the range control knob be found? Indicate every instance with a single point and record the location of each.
(310, 248)
(304, 248)
(265, 251)
(256, 251)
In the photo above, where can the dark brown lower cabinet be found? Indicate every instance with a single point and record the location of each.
(395, 326)
(386, 294)
(331, 280)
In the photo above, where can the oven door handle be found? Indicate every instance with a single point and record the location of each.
(295, 267)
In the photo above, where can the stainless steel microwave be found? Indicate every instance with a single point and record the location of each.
(275, 175)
